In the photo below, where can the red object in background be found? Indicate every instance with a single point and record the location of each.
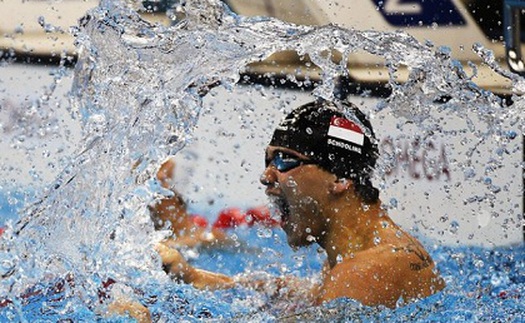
(229, 218)
(1, 231)
(199, 220)
(260, 215)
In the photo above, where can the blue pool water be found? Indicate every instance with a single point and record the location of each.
(483, 284)
(138, 94)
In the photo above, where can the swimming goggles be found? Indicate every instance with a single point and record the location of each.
(284, 162)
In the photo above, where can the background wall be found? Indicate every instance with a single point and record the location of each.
(428, 190)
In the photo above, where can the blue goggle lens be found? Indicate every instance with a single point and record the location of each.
(284, 162)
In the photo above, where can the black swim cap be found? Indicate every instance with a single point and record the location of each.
(338, 137)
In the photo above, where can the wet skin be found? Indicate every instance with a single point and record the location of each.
(370, 258)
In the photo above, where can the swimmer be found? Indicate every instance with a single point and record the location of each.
(318, 174)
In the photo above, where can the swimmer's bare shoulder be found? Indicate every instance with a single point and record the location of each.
(382, 275)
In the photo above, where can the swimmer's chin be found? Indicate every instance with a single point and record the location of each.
(296, 242)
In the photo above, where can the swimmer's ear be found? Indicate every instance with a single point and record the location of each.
(340, 185)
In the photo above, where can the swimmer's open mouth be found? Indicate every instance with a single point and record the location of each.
(281, 206)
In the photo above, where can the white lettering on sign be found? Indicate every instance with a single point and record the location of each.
(421, 161)
(396, 6)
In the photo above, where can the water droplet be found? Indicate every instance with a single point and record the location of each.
(7, 265)
(469, 172)
(291, 183)
(264, 232)
(511, 134)
(339, 259)
(393, 203)
(478, 263)
(19, 29)
(454, 226)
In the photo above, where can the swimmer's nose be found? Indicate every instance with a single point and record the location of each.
(268, 177)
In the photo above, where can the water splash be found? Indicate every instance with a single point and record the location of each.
(138, 92)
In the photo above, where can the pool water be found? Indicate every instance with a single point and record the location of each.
(482, 285)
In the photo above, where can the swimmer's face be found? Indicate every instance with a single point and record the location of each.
(300, 190)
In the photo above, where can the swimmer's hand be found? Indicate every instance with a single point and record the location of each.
(179, 269)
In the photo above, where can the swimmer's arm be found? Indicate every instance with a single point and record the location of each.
(180, 269)
(276, 287)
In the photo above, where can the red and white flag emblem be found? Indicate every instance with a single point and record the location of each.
(346, 130)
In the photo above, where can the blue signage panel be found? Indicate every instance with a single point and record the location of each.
(404, 13)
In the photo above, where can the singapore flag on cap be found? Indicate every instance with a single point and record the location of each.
(346, 130)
